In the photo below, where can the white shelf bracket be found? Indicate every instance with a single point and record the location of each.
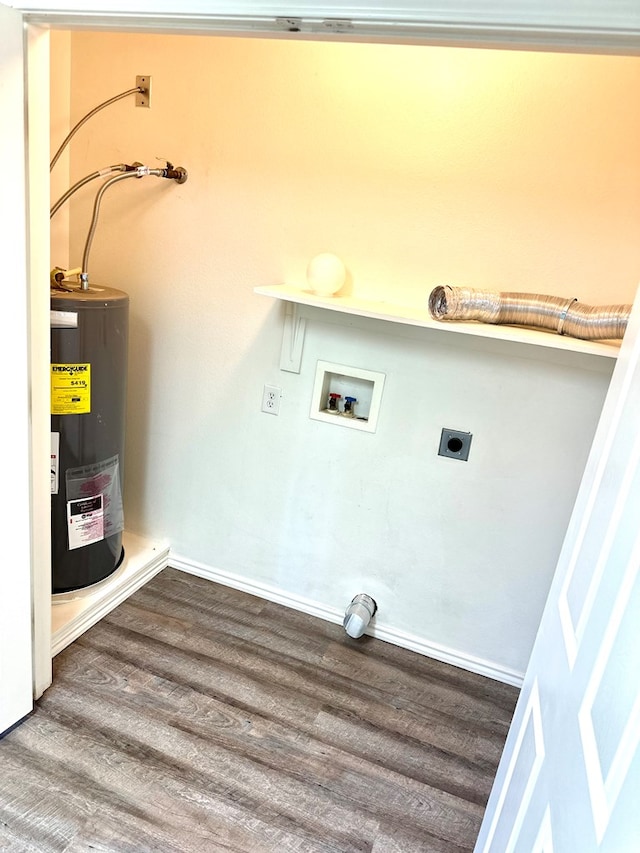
(292, 339)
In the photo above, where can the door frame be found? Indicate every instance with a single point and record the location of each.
(38, 203)
(38, 23)
(16, 635)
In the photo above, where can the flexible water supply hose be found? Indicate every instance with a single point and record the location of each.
(96, 213)
(101, 173)
(559, 314)
(177, 174)
(136, 90)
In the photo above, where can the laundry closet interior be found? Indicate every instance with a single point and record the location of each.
(417, 165)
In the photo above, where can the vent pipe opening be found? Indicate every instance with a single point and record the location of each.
(358, 615)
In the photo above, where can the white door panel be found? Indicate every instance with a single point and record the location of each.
(609, 714)
(570, 773)
(15, 600)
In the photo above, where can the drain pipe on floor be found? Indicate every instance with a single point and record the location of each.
(358, 615)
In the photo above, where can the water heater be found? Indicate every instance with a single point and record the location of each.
(89, 331)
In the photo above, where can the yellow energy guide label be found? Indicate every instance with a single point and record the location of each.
(70, 389)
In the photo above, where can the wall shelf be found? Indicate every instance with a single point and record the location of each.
(410, 316)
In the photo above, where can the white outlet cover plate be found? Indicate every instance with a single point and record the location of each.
(271, 395)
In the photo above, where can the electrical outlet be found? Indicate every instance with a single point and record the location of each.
(455, 444)
(271, 399)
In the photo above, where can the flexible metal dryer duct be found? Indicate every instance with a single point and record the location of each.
(556, 313)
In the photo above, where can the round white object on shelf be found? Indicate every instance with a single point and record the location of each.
(326, 274)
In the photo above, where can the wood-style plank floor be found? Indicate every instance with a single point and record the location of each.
(198, 718)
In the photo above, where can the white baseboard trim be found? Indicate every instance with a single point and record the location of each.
(74, 613)
(330, 614)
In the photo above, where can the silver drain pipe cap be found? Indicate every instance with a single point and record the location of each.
(358, 615)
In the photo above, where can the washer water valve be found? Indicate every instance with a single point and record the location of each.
(349, 411)
(333, 406)
(358, 615)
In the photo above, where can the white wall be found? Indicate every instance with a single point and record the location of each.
(418, 166)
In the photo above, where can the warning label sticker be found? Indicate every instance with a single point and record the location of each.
(70, 389)
(99, 478)
(85, 521)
